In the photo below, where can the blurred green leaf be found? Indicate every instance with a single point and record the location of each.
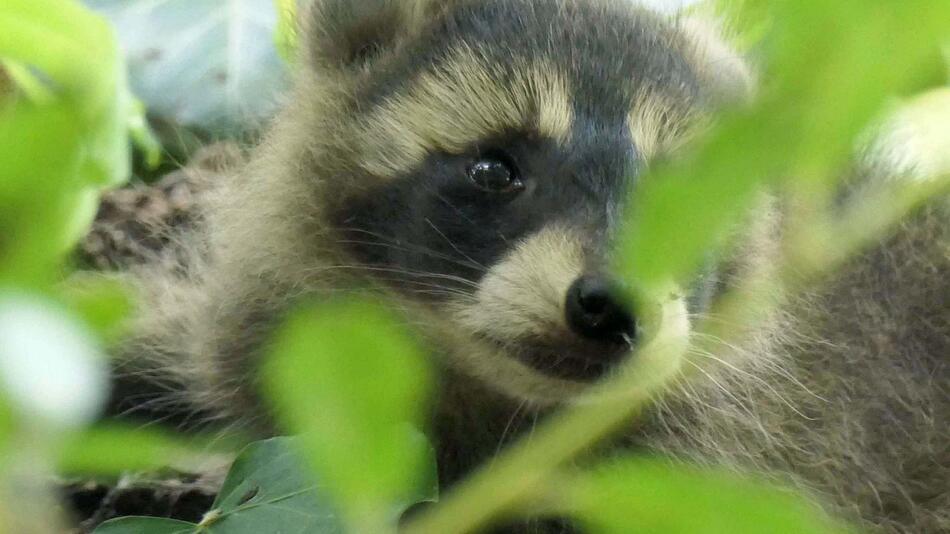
(111, 449)
(655, 497)
(143, 137)
(37, 203)
(286, 35)
(70, 111)
(268, 489)
(350, 381)
(826, 82)
(101, 302)
(80, 58)
(26, 83)
(6, 425)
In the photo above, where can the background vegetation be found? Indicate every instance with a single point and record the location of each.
(205, 70)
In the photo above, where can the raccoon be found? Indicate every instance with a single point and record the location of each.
(469, 161)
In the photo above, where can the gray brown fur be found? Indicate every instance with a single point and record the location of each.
(847, 395)
(850, 397)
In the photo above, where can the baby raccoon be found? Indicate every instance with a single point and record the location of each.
(469, 160)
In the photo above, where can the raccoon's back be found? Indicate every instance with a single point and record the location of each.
(850, 395)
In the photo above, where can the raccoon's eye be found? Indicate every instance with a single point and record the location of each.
(494, 174)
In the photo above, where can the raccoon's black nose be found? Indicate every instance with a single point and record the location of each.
(596, 310)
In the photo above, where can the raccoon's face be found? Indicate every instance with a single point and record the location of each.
(488, 151)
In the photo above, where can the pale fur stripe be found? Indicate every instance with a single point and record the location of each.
(459, 103)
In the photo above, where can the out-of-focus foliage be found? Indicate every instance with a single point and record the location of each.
(112, 449)
(201, 63)
(350, 382)
(655, 497)
(101, 302)
(825, 82)
(64, 113)
(286, 36)
(66, 118)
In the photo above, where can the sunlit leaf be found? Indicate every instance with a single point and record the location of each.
(6, 424)
(350, 382)
(827, 82)
(38, 203)
(24, 82)
(72, 114)
(101, 302)
(655, 497)
(143, 137)
(110, 449)
(286, 35)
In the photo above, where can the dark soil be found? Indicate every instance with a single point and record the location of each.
(181, 496)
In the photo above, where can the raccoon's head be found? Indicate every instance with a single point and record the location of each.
(482, 154)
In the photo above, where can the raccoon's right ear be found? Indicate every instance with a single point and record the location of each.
(348, 35)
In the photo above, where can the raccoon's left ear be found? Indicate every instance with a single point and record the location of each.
(344, 36)
(725, 73)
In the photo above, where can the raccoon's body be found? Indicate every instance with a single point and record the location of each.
(469, 161)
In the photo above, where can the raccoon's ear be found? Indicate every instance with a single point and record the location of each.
(715, 61)
(348, 35)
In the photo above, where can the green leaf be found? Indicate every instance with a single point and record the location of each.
(681, 213)
(37, 202)
(143, 137)
(286, 35)
(7, 424)
(26, 82)
(826, 83)
(654, 496)
(101, 302)
(70, 111)
(349, 380)
(145, 525)
(270, 489)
